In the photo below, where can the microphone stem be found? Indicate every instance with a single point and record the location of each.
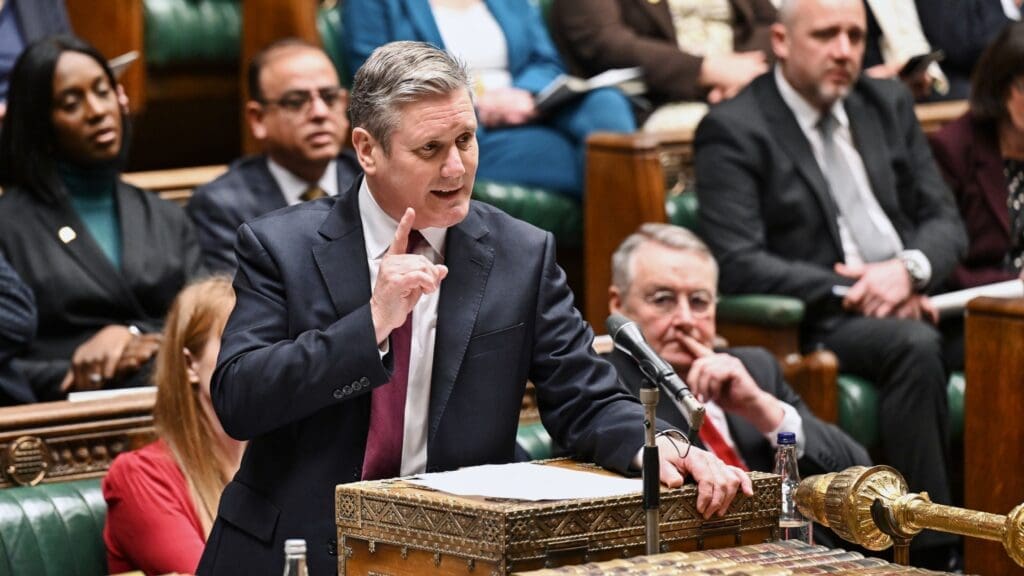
(651, 468)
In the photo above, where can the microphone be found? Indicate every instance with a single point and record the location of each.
(630, 340)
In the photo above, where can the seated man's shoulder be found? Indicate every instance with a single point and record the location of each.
(234, 178)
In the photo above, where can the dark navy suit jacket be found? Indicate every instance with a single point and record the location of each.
(245, 191)
(299, 358)
(17, 327)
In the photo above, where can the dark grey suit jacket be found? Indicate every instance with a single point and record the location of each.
(826, 447)
(40, 18)
(17, 327)
(78, 290)
(765, 209)
(247, 190)
(299, 358)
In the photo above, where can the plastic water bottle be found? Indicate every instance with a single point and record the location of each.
(295, 557)
(792, 524)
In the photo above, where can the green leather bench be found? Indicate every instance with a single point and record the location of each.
(53, 530)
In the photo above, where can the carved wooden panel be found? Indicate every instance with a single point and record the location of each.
(60, 441)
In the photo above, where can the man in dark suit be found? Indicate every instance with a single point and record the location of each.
(391, 331)
(665, 279)
(296, 111)
(17, 327)
(814, 184)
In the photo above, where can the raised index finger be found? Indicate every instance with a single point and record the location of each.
(697, 348)
(401, 242)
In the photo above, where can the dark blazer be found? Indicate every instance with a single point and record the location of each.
(77, 289)
(17, 327)
(963, 30)
(968, 156)
(826, 449)
(597, 35)
(765, 209)
(533, 60)
(299, 358)
(245, 191)
(41, 18)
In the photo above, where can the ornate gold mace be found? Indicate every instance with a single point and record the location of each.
(871, 507)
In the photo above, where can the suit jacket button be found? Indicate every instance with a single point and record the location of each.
(338, 393)
(364, 381)
(332, 547)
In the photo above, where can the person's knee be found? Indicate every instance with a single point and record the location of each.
(607, 109)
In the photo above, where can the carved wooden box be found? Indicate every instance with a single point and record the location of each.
(391, 527)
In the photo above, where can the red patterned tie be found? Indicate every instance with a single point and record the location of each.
(715, 442)
(383, 458)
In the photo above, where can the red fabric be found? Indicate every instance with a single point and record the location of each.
(714, 441)
(152, 523)
(383, 457)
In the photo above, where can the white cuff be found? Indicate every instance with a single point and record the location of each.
(791, 422)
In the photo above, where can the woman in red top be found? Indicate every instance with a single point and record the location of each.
(161, 499)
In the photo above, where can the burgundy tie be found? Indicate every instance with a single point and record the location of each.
(383, 458)
(714, 441)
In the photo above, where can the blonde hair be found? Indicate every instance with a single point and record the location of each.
(199, 313)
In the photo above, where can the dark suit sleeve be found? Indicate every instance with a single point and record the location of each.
(582, 403)
(826, 447)
(17, 311)
(938, 230)
(216, 229)
(600, 39)
(732, 157)
(265, 376)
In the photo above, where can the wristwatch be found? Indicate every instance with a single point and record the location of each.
(915, 269)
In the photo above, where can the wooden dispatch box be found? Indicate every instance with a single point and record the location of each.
(394, 528)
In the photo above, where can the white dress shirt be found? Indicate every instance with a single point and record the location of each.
(378, 233)
(807, 116)
(293, 187)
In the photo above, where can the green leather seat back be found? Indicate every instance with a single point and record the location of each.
(53, 530)
(328, 24)
(534, 438)
(191, 31)
(554, 212)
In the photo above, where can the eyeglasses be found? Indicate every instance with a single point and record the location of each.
(301, 100)
(700, 302)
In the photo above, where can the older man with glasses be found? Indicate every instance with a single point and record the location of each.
(664, 278)
(296, 111)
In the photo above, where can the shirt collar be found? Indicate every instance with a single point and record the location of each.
(807, 116)
(379, 228)
(292, 187)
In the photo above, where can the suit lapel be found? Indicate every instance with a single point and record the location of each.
(469, 260)
(62, 221)
(988, 168)
(341, 259)
(135, 224)
(796, 146)
(869, 139)
(659, 13)
(422, 19)
(261, 182)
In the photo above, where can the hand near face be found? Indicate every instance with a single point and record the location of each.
(505, 107)
(401, 280)
(881, 287)
(717, 483)
(95, 360)
(723, 379)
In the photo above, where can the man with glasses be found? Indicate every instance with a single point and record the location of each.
(296, 111)
(664, 278)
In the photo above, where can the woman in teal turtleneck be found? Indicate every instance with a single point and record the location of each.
(103, 258)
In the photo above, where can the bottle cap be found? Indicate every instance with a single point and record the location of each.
(787, 438)
(295, 546)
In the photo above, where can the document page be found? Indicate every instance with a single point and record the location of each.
(527, 481)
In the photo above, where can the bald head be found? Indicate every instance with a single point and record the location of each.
(820, 47)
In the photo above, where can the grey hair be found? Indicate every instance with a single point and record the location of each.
(397, 74)
(668, 235)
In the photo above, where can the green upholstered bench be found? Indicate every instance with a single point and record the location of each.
(189, 32)
(53, 530)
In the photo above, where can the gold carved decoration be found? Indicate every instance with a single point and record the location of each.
(872, 507)
(27, 460)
